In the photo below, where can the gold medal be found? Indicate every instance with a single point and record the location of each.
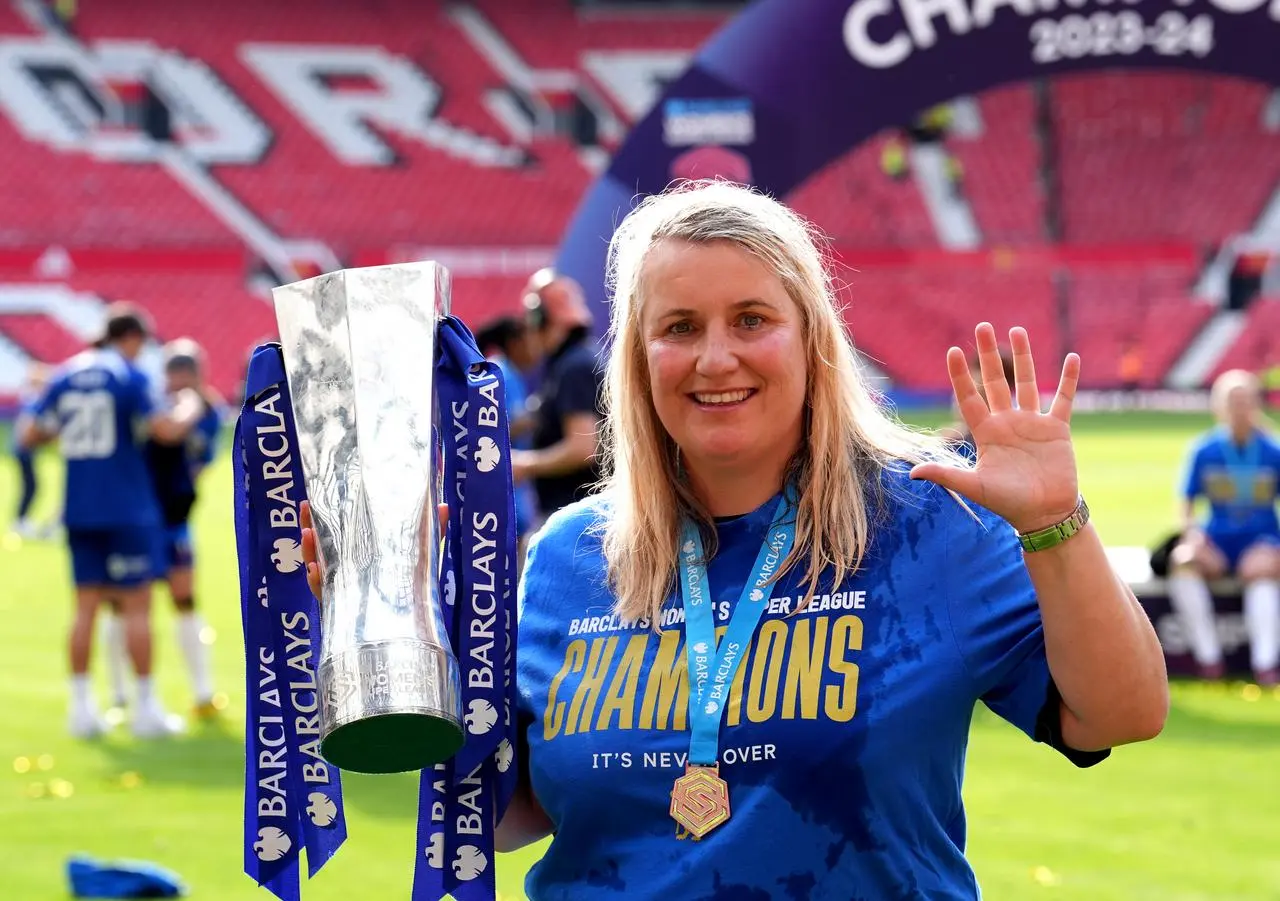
(700, 799)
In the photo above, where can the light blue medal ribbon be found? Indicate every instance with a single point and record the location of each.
(712, 668)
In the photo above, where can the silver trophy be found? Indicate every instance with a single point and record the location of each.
(360, 351)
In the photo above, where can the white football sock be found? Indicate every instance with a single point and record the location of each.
(81, 695)
(146, 692)
(1262, 621)
(196, 654)
(1191, 600)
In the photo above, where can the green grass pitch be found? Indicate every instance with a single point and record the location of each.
(1188, 817)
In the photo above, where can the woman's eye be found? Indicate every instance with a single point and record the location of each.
(752, 320)
(679, 328)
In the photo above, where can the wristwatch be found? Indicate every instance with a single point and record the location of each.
(1044, 539)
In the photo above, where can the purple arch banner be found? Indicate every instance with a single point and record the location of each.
(789, 85)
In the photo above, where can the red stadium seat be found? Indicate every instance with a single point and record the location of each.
(1001, 169)
(40, 336)
(1257, 347)
(857, 205)
(905, 319)
(301, 190)
(1163, 156)
(1115, 307)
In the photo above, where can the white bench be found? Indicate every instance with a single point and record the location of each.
(1133, 564)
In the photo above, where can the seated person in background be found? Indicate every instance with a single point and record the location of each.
(957, 433)
(1236, 467)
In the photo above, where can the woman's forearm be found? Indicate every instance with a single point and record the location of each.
(524, 822)
(1103, 653)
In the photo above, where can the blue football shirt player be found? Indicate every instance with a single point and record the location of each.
(1235, 471)
(101, 407)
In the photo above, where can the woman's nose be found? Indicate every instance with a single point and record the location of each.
(716, 355)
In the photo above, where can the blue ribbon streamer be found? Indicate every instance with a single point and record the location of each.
(460, 800)
(293, 798)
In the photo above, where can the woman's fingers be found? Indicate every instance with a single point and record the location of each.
(1024, 370)
(310, 557)
(994, 384)
(1064, 400)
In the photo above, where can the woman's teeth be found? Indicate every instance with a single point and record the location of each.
(723, 397)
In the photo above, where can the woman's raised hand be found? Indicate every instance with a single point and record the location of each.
(1026, 469)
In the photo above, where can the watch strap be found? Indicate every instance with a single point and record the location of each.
(1043, 539)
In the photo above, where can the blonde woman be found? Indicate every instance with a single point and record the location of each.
(807, 738)
(1235, 468)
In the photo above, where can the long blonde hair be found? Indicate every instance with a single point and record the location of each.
(849, 438)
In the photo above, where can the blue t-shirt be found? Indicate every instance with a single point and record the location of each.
(844, 739)
(98, 403)
(1240, 483)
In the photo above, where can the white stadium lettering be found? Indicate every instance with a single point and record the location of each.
(64, 94)
(210, 121)
(56, 93)
(405, 103)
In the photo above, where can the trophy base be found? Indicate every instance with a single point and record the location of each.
(392, 743)
(390, 707)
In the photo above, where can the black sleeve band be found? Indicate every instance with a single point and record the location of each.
(1049, 732)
